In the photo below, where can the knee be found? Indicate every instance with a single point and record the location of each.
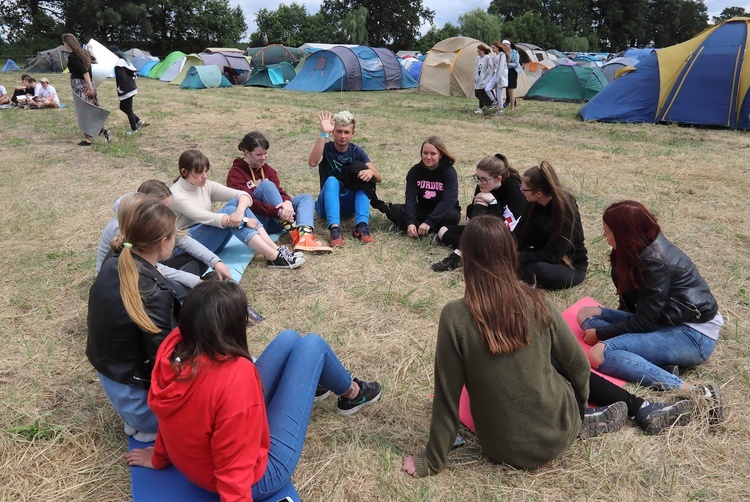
(331, 183)
(313, 343)
(289, 336)
(587, 312)
(596, 355)
(267, 185)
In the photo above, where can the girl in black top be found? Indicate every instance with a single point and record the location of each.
(79, 66)
(552, 253)
(497, 193)
(431, 192)
(125, 75)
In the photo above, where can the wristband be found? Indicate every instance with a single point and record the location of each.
(324, 135)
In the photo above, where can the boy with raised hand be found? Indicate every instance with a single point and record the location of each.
(334, 159)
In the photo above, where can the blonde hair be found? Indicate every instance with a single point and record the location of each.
(144, 224)
(344, 118)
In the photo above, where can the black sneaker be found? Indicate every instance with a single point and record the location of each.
(452, 262)
(321, 393)
(653, 418)
(609, 418)
(715, 406)
(369, 392)
(285, 260)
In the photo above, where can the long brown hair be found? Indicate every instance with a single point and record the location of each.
(144, 223)
(438, 143)
(498, 166)
(75, 46)
(543, 178)
(499, 302)
(634, 228)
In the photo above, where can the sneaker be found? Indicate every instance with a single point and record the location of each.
(108, 135)
(452, 262)
(145, 437)
(337, 240)
(362, 233)
(321, 393)
(140, 125)
(253, 317)
(299, 255)
(478, 111)
(132, 132)
(609, 418)
(308, 242)
(285, 260)
(653, 418)
(369, 392)
(712, 393)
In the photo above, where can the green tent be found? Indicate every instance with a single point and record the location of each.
(273, 54)
(568, 83)
(204, 77)
(273, 75)
(158, 70)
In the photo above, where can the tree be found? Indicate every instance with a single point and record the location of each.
(729, 13)
(530, 27)
(354, 26)
(435, 35)
(673, 21)
(574, 44)
(480, 25)
(282, 26)
(31, 25)
(394, 24)
(621, 23)
(511, 9)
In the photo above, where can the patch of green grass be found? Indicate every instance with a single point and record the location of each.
(40, 430)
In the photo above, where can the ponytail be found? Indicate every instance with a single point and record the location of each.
(543, 178)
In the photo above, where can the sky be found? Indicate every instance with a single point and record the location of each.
(445, 10)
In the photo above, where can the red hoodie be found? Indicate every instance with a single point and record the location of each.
(212, 426)
(242, 177)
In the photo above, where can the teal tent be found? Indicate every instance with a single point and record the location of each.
(204, 77)
(273, 75)
(11, 65)
(568, 83)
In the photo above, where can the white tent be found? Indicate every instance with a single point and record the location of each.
(105, 62)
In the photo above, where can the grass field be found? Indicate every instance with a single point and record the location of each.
(377, 305)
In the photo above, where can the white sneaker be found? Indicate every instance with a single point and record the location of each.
(478, 111)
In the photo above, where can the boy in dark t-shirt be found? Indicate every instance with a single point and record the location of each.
(335, 200)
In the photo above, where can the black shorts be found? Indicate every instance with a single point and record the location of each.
(512, 78)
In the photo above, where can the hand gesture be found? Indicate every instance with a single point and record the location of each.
(411, 231)
(141, 457)
(589, 336)
(235, 219)
(424, 229)
(287, 211)
(326, 122)
(222, 271)
(365, 175)
(483, 198)
(407, 466)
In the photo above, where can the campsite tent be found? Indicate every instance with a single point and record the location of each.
(141, 60)
(204, 77)
(448, 69)
(147, 67)
(615, 64)
(530, 74)
(588, 61)
(703, 81)
(158, 69)
(568, 83)
(173, 70)
(359, 68)
(636, 53)
(273, 54)
(132, 53)
(413, 66)
(273, 75)
(311, 47)
(530, 53)
(233, 64)
(41, 63)
(11, 65)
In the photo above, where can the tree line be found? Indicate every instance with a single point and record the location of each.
(162, 26)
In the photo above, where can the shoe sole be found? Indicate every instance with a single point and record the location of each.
(678, 414)
(337, 244)
(352, 411)
(298, 263)
(322, 397)
(314, 249)
(610, 420)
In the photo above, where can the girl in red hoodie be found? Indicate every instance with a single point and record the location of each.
(229, 425)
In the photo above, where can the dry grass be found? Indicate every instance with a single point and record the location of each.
(377, 305)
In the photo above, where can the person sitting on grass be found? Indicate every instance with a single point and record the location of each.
(272, 205)
(667, 315)
(132, 308)
(4, 98)
(45, 95)
(335, 159)
(231, 425)
(194, 194)
(431, 192)
(552, 253)
(497, 193)
(185, 269)
(500, 341)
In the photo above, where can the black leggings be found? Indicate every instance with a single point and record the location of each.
(185, 263)
(484, 99)
(126, 106)
(551, 275)
(395, 213)
(603, 392)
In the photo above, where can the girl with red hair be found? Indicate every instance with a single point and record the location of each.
(667, 316)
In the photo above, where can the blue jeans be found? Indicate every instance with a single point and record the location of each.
(215, 238)
(637, 357)
(303, 205)
(290, 369)
(335, 201)
(131, 404)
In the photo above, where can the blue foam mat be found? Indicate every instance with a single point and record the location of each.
(237, 256)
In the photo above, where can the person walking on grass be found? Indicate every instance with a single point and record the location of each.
(276, 209)
(340, 195)
(667, 316)
(194, 195)
(125, 75)
(483, 73)
(231, 424)
(132, 308)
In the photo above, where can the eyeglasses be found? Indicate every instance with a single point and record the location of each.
(525, 189)
(481, 180)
